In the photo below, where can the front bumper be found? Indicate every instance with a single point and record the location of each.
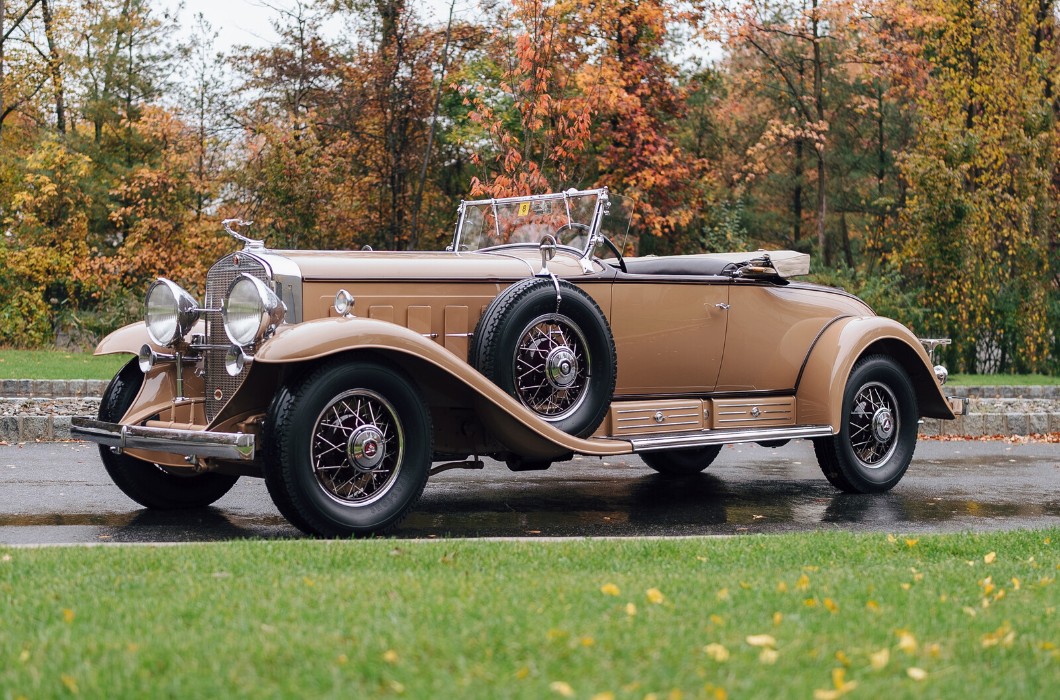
(193, 443)
(958, 404)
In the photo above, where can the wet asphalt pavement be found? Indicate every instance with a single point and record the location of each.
(59, 493)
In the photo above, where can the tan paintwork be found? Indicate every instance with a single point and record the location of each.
(701, 353)
(770, 332)
(669, 338)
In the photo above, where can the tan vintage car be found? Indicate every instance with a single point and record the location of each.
(341, 377)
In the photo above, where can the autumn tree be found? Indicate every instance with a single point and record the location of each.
(980, 215)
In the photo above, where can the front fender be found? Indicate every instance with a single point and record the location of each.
(822, 382)
(127, 339)
(514, 424)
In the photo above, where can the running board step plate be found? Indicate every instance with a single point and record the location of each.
(649, 443)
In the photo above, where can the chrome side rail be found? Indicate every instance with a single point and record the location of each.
(725, 437)
(195, 443)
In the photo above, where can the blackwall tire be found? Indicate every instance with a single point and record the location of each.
(682, 462)
(558, 361)
(148, 484)
(347, 449)
(878, 432)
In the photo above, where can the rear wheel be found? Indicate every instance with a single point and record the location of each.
(151, 485)
(682, 462)
(878, 432)
(347, 449)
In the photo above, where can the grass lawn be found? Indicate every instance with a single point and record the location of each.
(55, 364)
(813, 616)
(1002, 380)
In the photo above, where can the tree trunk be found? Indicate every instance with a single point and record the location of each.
(417, 201)
(55, 65)
(3, 10)
(844, 230)
(796, 197)
(818, 101)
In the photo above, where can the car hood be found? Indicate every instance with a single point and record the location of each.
(496, 264)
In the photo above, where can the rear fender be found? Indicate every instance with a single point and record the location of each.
(819, 392)
(512, 423)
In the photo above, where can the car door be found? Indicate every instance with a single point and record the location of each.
(669, 334)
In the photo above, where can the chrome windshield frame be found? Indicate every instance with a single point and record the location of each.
(601, 209)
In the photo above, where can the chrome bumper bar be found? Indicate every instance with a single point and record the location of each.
(194, 443)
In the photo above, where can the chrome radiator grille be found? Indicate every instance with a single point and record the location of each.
(220, 386)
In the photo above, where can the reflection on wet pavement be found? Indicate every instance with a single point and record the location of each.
(53, 496)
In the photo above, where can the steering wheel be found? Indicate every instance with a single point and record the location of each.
(614, 249)
(569, 226)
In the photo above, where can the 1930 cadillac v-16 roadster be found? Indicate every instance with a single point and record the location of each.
(342, 376)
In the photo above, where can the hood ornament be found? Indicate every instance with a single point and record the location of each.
(249, 243)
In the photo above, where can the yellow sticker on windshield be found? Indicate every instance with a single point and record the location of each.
(524, 208)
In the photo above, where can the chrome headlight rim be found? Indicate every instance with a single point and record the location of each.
(253, 314)
(183, 310)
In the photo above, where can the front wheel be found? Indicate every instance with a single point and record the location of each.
(878, 432)
(347, 449)
(682, 462)
(146, 483)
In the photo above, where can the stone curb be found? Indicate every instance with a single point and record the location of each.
(50, 428)
(52, 388)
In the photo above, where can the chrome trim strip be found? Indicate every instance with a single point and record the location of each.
(198, 443)
(725, 437)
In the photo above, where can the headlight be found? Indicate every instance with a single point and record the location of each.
(250, 310)
(169, 312)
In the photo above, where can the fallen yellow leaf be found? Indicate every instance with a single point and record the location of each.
(587, 641)
(610, 589)
(879, 660)
(768, 656)
(990, 557)
(562, 688)
(631, 609)
(906, 642)
(830, 604)
(390, 656)
(917, 674)
(70, 682)
(803, 583)
(872, 605)
(717, 652)
(782, 587)
(778, 618)
(722, 594)
(68, 615)
(911, 542)
(655, 596)
(606, 695)
(523, 673)
(396, 686)
(761, 640)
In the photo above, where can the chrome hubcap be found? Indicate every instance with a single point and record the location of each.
(364, 449)
(874, 422)
(561, 367)
(357, 448)
(882, 425)
(551, 367)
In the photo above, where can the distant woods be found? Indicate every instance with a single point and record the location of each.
(910, 145)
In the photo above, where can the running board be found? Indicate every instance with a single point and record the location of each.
(649, 443)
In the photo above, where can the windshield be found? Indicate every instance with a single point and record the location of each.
(572, 218)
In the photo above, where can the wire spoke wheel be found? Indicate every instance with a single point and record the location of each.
(357, 448)
(874, 423)
(551, 367)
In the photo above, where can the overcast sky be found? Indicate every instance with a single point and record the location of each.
(247, 21)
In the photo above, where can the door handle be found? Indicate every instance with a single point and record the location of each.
(723, 306)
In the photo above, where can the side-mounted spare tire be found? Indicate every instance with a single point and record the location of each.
(557, 359)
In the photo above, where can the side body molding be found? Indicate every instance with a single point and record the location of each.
(823, 380)
(516, 426)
